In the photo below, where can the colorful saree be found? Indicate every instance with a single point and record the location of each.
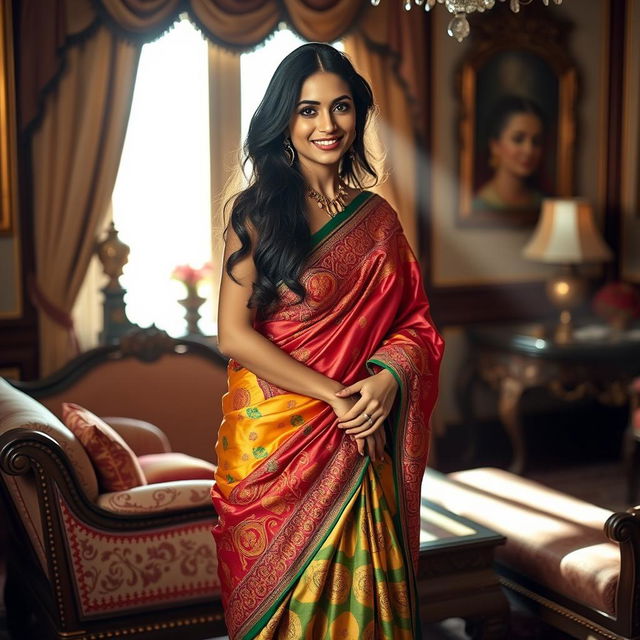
(315, 541)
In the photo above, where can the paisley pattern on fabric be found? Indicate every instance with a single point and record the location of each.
(313, 540)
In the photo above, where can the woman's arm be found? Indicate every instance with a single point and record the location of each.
(239, 340)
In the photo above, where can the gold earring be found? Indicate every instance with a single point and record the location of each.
(289, 152)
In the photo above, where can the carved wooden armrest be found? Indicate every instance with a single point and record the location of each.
(624, 528)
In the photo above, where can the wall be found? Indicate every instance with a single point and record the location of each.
(464, 261)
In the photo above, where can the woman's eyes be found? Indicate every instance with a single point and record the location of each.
(340, 107)
(520, 138)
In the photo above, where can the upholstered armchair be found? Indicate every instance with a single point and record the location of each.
(87, 562)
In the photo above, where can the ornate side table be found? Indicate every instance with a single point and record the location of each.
(515, 358)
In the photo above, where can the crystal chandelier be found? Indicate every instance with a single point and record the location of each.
(459, 26)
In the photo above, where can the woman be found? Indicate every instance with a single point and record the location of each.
(516, 129)
(323, 315)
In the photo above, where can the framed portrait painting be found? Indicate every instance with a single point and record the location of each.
(517, 93)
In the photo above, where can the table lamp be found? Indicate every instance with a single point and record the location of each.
(566, 235)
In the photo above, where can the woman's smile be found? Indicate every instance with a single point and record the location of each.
(328, 144)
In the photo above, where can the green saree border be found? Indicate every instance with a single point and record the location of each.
(417, 630)
(340, 218)
(261, 623)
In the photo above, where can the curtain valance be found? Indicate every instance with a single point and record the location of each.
(48, 29)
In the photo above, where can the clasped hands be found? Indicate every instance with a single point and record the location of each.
(362, 408)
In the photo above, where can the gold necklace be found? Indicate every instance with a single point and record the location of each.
(330, 206)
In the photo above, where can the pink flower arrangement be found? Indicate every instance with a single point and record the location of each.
(190, 276)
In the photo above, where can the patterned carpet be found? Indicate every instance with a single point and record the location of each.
(601, 484)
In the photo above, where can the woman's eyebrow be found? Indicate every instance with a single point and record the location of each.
(316, 102)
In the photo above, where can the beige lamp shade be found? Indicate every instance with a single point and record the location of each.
(566, 233)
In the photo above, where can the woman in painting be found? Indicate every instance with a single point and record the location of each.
(516, 129)
(333, 375)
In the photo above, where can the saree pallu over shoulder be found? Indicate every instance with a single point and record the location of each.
(290, 484)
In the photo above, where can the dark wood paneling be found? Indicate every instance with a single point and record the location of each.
(490, 303)
(19, 336)
(18, 348)
(613, 218)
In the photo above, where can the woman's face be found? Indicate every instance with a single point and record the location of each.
(323, 124)
(518, 149)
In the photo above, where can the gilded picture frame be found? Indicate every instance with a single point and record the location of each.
(519, 60)
(8, 129)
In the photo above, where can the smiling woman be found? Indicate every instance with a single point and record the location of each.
(333, 374)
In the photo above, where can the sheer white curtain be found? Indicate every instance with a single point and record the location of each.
(161, 201)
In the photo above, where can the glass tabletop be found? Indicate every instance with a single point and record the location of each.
(442, 528)
(590, 340)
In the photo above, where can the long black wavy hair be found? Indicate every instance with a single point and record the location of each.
(274, 202)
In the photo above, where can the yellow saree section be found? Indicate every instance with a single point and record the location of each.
(355, 587)
(256, 423)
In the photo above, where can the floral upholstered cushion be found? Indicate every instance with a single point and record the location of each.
(115, 463)
(170, 467)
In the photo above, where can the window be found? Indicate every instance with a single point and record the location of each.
(161, 200)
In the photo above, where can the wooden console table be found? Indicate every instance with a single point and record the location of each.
(515, 358)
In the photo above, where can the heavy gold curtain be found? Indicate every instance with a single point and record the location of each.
(78, 60)
(76, 152)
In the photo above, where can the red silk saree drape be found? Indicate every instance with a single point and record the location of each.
(313, 539)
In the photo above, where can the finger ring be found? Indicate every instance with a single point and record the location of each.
(366, 415)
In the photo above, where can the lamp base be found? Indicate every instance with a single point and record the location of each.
(566, 291)
(563, 333)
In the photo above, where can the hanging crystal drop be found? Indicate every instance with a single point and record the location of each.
(375, 3)
(407, 5)
(459, 27)
(515, 6)
(488, 4)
